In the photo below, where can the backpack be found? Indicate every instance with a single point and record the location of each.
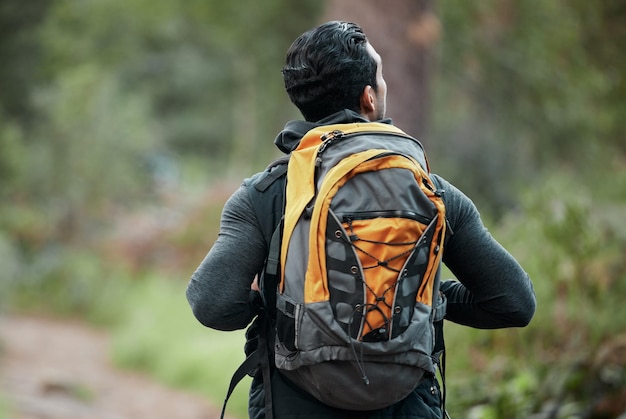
(351, 283)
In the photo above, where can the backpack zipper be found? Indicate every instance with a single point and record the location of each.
(327, 139)
(366, 215)
(331, 137)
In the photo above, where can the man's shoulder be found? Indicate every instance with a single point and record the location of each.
(453, 198)
(460, 209)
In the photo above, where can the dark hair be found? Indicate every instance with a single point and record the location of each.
(327, 68)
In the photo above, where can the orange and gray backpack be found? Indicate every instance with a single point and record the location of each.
(352, 277)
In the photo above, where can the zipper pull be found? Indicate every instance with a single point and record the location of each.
(327, 139)
(332, 135)
(437, 192)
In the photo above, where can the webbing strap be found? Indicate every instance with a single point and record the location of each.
(251, 362)
(440, 360)
(276, 169)
(439, 356)
(273, 257)
(258, 358)
(267, 385)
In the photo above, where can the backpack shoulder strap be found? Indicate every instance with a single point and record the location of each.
(272, 173)
(268, 198)
(267, 193)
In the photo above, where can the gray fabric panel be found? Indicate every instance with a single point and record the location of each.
(297, 260)
(321, 328)
(325, 340)
(344, 312)
(342, 281)
(336, 250)
(340, 384)
(356, 143)
(388, 189)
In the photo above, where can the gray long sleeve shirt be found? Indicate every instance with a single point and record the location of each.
(492, 290)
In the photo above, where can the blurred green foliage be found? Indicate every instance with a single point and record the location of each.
(189, 356)
(106, 100)
(123, 123)
(523, 89)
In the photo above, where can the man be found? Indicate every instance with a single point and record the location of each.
(334, 75)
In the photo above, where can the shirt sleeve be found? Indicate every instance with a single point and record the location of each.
(492, 291)
(219, 290)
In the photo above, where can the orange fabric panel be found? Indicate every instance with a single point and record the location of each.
(425, 294)
(300, 190)
(382, 280)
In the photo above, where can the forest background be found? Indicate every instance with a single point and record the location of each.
(125, 124)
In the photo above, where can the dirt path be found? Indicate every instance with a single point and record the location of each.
(52, 369)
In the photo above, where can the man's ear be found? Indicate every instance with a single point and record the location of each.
(368, 102)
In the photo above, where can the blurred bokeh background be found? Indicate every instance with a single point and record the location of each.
(125, 124)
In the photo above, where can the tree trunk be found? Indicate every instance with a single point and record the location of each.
(404, 32)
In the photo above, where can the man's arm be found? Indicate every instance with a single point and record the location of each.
(219, 291)
(492, 291)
